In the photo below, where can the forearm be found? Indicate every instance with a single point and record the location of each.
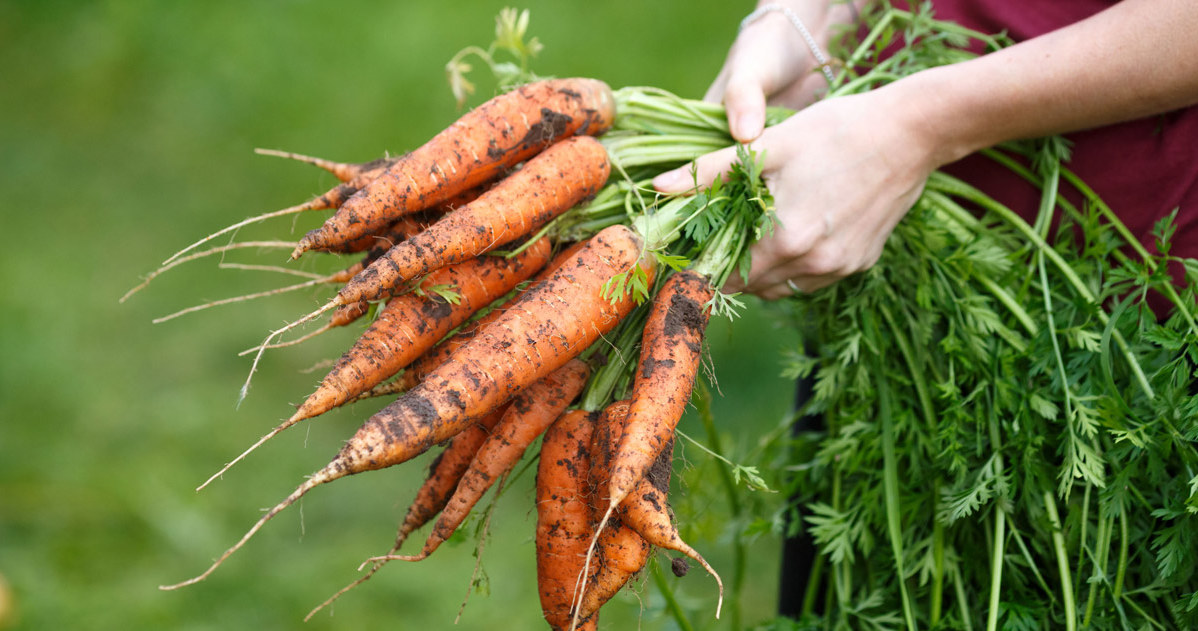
(1135, 59)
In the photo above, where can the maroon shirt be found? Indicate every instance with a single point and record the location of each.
(1143, 169)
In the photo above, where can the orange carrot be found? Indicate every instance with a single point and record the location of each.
(408, 326)
(622, 552)
(646, 512)
(563, 513)
(430, 361)
(378, 243)
(541, 330)
(412, 323)
(549, 184)
(670, 352)
(539, 333)
(477, 148)
(527, 417)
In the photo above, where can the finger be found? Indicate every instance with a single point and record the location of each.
(744, 99)
(700, 173)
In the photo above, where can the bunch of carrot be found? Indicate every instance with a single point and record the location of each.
(512, 262)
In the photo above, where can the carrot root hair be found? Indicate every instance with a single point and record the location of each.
(327, 474)
(199, 255)
(245, 388)
(314, 204)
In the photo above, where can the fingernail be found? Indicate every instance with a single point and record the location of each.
(671, 181)
(747, 126)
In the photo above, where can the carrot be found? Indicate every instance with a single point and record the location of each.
(670, 352)
(378, 243)
(527, 417)
(544, 329)
(477, 148)
(430, 361)
(645, 511)
(563, 513)
(622, 552)
(549, 184)
(408, 326)
(671, 345)
(443, 476)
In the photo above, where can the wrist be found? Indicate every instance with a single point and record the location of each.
(943, 115)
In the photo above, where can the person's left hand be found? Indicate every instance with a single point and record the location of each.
(843, 172)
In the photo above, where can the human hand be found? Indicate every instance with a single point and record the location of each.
(843, 172)
(770, 63)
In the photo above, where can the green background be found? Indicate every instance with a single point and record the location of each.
(127, 131)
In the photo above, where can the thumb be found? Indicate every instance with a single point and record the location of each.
(773, 145)
(698, 174)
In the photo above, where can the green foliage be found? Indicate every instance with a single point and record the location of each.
(1004, 409)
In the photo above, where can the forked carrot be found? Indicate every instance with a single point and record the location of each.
(408, 326)
(646, 512)
(549, 184)
(528, 416)
(620, 552)
(563, 513)
(539, 333)
(671, 347)
(477, 148)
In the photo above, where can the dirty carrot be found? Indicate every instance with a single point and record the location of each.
(563, 513)
(671, 347)
(539, 332)
(426, 363)
(549, 184)
(528, 416)
(477, 148)
(544, 329)
(646, 512)
(409, 325)
(617, 550)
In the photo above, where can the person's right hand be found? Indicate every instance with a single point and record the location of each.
(770, 63)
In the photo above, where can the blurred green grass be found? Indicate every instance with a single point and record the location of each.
(126, 132)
